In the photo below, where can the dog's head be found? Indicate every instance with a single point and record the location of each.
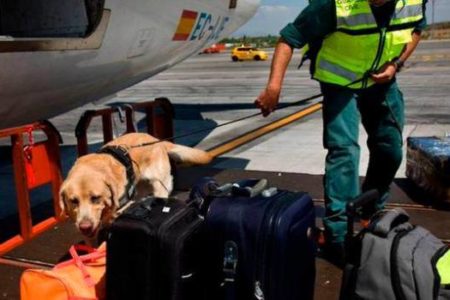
(90, 201)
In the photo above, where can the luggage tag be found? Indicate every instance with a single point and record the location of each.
(28, 155)
(31, 178)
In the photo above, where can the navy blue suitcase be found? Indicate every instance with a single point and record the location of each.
(259, 242)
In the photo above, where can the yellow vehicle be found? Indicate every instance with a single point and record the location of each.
(248, 53)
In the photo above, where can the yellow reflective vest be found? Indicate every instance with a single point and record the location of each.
(359, 47)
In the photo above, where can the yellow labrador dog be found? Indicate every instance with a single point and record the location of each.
(98, 182)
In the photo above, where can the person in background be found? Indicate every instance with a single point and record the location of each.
(356, 49)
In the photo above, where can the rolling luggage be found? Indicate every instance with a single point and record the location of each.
(259, 242)
(153, 251)
(392, 259)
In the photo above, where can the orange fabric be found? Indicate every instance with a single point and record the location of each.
(365, 223)
(80, 278)
(321, 239)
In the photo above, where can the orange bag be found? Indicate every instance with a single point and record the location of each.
(81, 278)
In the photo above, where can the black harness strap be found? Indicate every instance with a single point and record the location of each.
(121, 155)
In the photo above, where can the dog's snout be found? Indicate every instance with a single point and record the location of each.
(86, 227)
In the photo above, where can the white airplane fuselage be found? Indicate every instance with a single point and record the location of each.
(135, 39)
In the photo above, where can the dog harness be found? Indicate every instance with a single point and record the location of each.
(121, 155)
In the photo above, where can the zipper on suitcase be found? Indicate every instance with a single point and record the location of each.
(263, 233)
(182, 278)
(164, 236)
(262, 283)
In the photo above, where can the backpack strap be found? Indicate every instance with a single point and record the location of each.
(389, 219)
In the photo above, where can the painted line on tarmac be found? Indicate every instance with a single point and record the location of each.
(263, 130)
(429, 57)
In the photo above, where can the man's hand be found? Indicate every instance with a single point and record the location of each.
(268, 100)
(385, 74)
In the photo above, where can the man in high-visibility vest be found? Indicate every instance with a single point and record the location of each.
(356, 48)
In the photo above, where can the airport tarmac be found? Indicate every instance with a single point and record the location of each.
(210, 89)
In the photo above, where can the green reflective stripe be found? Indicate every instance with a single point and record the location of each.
(409, 11)
(357, 20)
(338, 70)
(443, 267)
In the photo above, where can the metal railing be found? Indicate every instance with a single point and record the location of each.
(34, 164)
(159, 116)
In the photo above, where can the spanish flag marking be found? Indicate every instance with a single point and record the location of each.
(187, 21)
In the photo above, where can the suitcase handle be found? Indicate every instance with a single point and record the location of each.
(202, 192)
(354, 208)
(249, 187)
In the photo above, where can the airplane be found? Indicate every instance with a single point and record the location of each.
(58, 55)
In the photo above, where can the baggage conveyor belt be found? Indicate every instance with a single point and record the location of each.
(52, 246)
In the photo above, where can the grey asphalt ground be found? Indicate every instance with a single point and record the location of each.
(210, 89)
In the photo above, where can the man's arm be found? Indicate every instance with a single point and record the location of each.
(390, 69)
(268, 99)
(411, 46)
(316, 21)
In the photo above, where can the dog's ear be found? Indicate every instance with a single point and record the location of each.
(115, 192)
(63, 201)
(112, 200)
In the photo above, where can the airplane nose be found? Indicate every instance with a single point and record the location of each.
(86, 227)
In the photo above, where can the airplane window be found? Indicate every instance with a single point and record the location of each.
(49, 18)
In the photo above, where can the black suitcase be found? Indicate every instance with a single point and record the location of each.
(153, 251)
(260, 244)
